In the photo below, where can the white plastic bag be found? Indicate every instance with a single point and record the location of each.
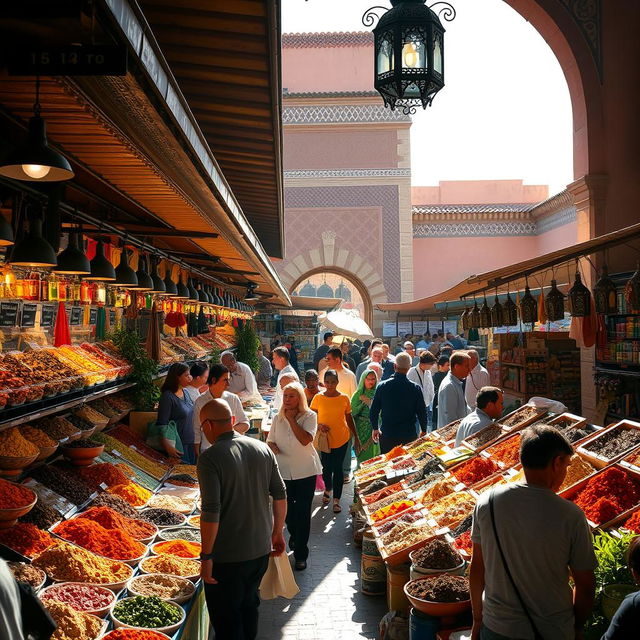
(555, 406)
(278, 580)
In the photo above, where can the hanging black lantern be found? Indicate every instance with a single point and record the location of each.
(497, 313)
(605, 294)
(528, 307)
(409, 53)
(554, 303)
(474, 316)
(579, 299)
(510, 312)
(485, 315)
(632, 290)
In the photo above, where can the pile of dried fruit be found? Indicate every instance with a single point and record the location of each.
(614, 442)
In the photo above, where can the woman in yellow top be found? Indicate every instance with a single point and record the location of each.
(334, 419)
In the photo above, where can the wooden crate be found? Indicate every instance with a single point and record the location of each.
(507, 476)
(526, 422)
(467, 442)
(571, 492)
(487, 454)
(599, 461)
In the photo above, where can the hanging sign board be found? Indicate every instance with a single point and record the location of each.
(93, 316)
(420, 327)
(389, 329)
(48, 315)
(28, 318)
(68, 60)
(8, 314)
(404, 328)
(76, 316)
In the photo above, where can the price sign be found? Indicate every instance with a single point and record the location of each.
(68, 60)
(48, 315)
(76, 316)
(8, 314)
(404, 328)
(93, 316)
(420, 327)
(28, 318)
(389, 329)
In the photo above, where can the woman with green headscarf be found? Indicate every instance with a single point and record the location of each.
(360, 403)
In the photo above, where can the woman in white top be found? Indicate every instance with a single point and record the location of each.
(291, 439)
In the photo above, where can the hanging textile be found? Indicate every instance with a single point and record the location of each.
(61, 333)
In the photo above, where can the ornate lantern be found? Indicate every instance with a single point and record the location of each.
(409, 52)
(579, 299)
(474, 316)
(605, 294)
(485, 315)
(497, 313)
(510, 312)
(632, 290)
(554, 303)
(528, 307)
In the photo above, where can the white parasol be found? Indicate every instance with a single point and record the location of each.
(346, 324)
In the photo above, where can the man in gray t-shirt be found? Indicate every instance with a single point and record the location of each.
(545, 540)
(238, 529)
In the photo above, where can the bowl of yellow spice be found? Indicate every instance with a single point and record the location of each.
(16, 452)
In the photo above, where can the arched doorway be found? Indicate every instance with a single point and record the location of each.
(344, 285)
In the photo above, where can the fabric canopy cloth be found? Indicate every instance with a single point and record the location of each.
(346, 324)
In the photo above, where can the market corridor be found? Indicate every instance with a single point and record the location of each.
(329, 604)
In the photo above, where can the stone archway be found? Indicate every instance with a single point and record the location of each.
(350, 278)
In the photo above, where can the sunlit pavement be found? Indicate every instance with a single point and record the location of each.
(329, 605)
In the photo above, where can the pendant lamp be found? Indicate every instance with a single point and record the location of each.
(217, 297)
(510, 312)
(6, 233)
(485, 315)
(193, 292)
(183, 290)
(579, 298)
(554, 303)
(35, 161)
(73, 260)
(251, 292)
(497, 313)
(632, 290)
(125, 275)
(157, 283)
(464, 318)
(207, 292)
(474, 316)
(32, 250)
(145, 283)
(605, 294)
(170, 286)
(101, 269)
(528, 307)
(202, 296)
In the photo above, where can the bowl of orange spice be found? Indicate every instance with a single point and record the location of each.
(178, 547)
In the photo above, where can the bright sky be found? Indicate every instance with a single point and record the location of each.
(505, 111)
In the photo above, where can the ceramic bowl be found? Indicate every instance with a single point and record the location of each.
(8, 517)
(81, 456)
(188, 584)
(156, 551)
(168, 630)
(436, 609)
(100, 613)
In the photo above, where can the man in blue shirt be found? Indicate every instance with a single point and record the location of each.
(489, 406)
(401, 402)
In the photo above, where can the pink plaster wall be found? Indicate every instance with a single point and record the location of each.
(340, 148)
(558, 238)
(333, 69)
(479, 192)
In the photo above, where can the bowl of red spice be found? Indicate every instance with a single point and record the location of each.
(15, 500)
(134, 634)
(178, 547)
(81, 596)
(82, 452)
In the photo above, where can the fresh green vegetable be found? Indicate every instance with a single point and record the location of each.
(147, 611)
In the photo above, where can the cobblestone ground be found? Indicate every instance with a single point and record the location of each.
(329, 605)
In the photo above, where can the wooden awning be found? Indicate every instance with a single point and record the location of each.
(513, 275)
(141, 161)
(310, 303)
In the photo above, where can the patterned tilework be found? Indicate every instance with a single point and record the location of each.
(338, 113)
(327, 198)
(348, 173)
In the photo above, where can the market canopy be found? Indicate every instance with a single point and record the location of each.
(346, 324)
(310, 303)
(513, 275)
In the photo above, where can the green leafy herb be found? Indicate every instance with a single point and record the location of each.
(247, 345)
(147, 611)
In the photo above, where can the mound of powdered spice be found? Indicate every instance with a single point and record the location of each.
(111, 543)
(474, 470)
(72, 624)
(14, 445)
(133, 493)
(14, 496)
(117, 504)
(24, 572)
(110, 519)
(437, 554)
(172, 565)
(134, 634)
(103, 473)
(25, 538)
(67, 563)
(179, 548)
(183, 533)
(607, 495)
(633, 523)
(507, 451)
(38, 437)
(162, 517)
(441, 589)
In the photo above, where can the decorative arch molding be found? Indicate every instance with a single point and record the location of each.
(352, 279)
(572, 29)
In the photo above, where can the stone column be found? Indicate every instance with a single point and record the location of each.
(589, 195)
